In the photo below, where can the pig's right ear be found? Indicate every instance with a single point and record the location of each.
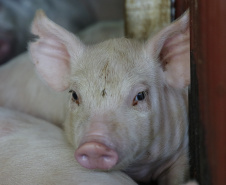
(171, 48)
(53, 51)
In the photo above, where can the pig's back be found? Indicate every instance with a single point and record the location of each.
(21, 89)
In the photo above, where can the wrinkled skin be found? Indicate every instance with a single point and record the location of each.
(127, 106)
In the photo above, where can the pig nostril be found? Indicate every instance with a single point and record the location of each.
(84, 157)
(107, 157)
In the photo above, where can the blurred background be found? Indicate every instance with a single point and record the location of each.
(74, 15)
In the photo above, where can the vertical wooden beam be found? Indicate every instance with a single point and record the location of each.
(143, 18)
(208, 51)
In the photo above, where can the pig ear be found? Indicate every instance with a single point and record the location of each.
(171, 47)
(53, 51)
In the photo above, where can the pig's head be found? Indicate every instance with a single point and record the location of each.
(119, 91)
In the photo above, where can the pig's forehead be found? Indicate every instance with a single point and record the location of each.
(116, 56)
(122, 53)
(111, 65)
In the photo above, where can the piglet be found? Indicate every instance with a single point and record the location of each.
(36, 152)
(21, 88)
(127, 100)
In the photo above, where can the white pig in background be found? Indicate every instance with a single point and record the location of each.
(35, 152)
(127, 103)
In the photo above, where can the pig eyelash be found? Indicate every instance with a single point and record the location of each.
(74, 97)
(139, 97)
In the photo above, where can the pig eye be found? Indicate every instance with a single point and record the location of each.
(139, 97)
(74, 96)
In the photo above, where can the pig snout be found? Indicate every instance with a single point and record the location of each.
(96, 155)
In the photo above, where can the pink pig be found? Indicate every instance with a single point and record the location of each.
(127, 100)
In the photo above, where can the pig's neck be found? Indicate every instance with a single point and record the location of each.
(145, 170)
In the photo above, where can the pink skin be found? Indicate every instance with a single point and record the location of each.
(95, 155)
(97, 150)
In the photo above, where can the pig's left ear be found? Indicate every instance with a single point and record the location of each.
(171, 47)
(53, 51)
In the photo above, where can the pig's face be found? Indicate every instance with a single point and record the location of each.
(126, 102)
(110, 101)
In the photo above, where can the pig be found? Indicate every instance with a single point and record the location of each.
(123, 101)
(128, 104)
(34, 151)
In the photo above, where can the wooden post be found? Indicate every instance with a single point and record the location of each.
(180, 7)
(208, 54)
(143, 18)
